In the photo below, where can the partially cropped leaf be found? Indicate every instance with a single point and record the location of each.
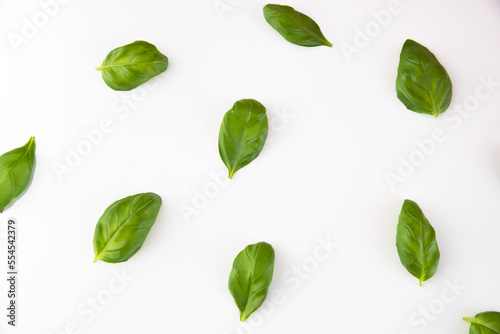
(485, 323)
(16, 171)
(131, 65)
(242, 134)
(416, 242)
(124, 226)
(423, 85)
(251, 276)
(295, 27)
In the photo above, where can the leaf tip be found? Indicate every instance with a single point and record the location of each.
(31, 142)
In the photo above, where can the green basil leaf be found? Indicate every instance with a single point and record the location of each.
(416, 242)
(251, 276)
(131, 65)
(242, 134)
(423, 85)
(16, 171)
(124, 226)
(485, 323)
(294, 26)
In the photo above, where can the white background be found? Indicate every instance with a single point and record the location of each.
(322, 174)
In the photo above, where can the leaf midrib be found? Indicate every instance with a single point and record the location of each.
(480, 323)
(434, 112)
(128, 64)
(17, 161)
(239, 148)
(123, 224)
(243, 315)
(422, 252)
(295, 19)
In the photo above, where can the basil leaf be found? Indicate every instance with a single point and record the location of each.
(124, 226)
(131, 65)
(423, 85)
(16, 171)
(416, 242)
(242, 134)
(294, 26)
(251, 276)
(485, 323)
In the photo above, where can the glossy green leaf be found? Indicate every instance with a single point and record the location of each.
(16, 171)
(131, 65)
(294, 26)
(416, 242)
(242, 134)
(485, 323)
(251, 276)
(124, 226)
(423, 85)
